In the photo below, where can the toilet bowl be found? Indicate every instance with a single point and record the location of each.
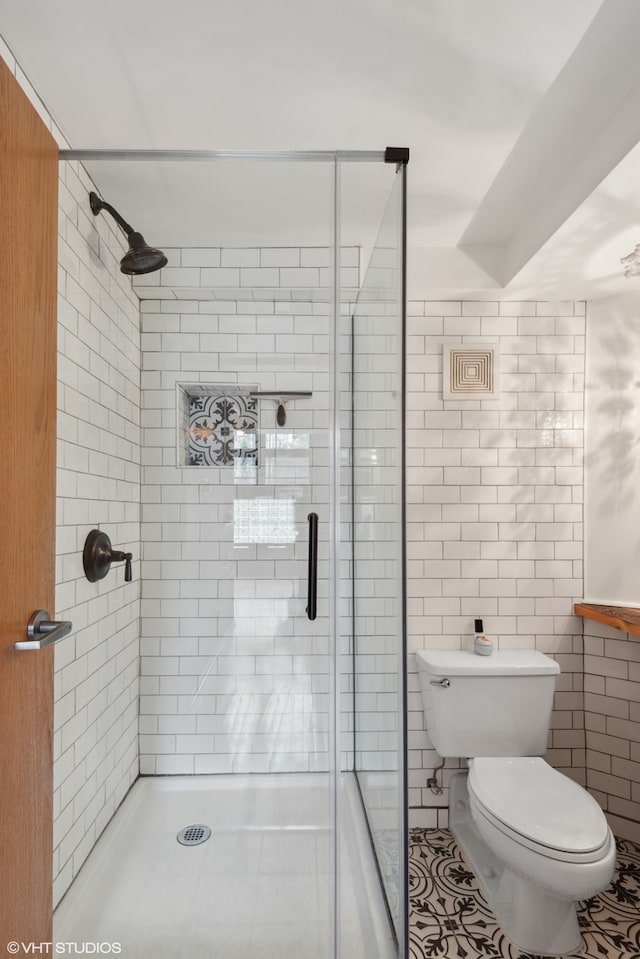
(537, 846)
(542, 825)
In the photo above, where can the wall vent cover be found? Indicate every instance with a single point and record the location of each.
(193, 835)
(470, 372)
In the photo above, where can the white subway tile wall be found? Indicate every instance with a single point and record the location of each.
(494, 508)
(234, 677)
(377, 474)
(98, 485)
(612, 722)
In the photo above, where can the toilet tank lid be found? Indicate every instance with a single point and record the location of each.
(502, 662)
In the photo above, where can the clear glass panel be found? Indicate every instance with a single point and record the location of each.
(377, 544)
(238, 680)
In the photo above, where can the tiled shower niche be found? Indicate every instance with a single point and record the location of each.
(218, 427)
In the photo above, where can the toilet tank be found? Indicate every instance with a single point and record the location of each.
(498, 705)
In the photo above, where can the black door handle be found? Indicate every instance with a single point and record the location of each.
(312, 582)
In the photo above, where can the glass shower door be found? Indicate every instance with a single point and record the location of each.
(266, 687)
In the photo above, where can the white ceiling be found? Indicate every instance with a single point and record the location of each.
(522, 118)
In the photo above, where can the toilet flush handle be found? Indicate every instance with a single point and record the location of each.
(445, 683)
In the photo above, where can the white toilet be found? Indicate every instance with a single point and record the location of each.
(537, 842)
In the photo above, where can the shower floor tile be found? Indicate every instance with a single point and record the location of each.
(449, 916)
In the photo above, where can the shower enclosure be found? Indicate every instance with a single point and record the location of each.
(272, 700)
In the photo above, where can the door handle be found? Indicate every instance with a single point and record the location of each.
(445, 683)
(43, 631)
(312, 576)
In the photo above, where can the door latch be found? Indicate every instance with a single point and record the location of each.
(43, 631)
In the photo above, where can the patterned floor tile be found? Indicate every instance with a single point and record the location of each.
(450, 918)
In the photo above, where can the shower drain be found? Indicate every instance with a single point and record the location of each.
(193, 835)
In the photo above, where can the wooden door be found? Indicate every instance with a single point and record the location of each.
(28, 279)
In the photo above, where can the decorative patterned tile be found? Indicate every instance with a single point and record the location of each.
(223, 431)
(449, 916)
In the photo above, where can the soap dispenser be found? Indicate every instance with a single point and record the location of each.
(482, 645)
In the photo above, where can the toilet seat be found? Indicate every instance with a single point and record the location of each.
(539, 808)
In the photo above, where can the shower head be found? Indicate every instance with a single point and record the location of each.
(139, 258)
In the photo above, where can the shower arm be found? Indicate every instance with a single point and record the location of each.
(97, 205)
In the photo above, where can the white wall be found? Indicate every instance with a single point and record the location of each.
(612, 451)
(612, 556)
(494, 491)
